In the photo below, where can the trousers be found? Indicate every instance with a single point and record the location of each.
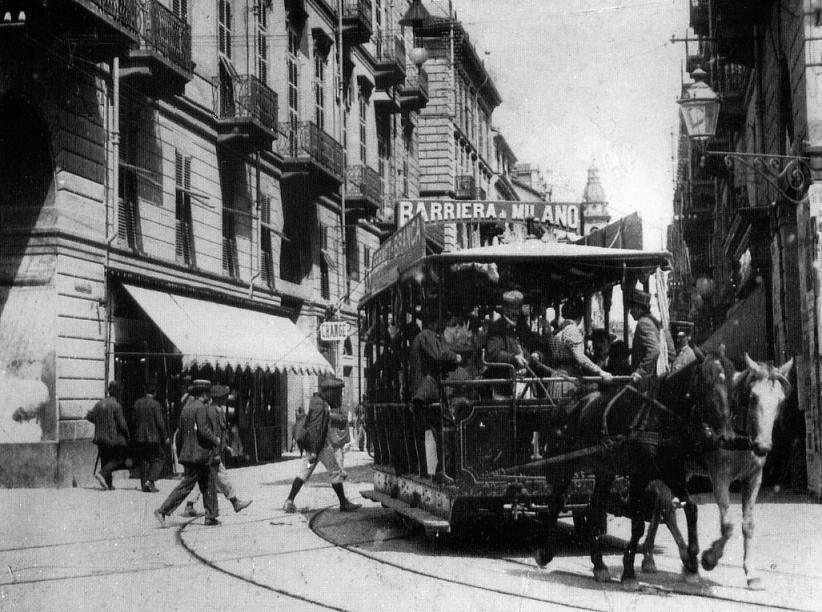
(194, 474)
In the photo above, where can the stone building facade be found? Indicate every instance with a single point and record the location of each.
(747, 262)
(189, 188)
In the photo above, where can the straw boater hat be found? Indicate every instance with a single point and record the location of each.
(219, 391)
(685, 328)
(199, 385)
(512, 298)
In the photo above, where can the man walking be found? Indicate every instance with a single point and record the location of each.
(219, 395)
(110, 435)
(317, 445)
(150, 434)
(201, 441)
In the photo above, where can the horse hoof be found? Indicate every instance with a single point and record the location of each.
(709, 560)
(755, 584)
(543, 557)
(648, 566)
(690, 577)
(602, 575)
(630, 584)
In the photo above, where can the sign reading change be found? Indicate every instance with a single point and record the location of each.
(562, 214)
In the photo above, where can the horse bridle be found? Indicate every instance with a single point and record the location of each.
(739, 405)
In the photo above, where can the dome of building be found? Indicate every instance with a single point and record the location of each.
(593, 189)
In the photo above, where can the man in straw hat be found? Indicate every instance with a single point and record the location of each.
(317, 446)
(200, 431)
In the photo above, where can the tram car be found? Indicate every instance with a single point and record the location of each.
(453, 458)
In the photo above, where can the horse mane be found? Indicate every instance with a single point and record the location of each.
(707, 382)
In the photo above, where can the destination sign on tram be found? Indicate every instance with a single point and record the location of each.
(563, 214)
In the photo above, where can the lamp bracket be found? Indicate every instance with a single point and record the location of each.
(788, 174)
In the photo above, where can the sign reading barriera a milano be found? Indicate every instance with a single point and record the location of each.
(562, 214)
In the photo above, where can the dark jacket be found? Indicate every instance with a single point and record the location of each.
(502, 346)
(428, 358)
(199, 428)
(110, 428)
(645, 349)
(317, 422)
(149, 424)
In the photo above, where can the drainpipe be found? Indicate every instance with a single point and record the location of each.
(343, 186)
(111, 200)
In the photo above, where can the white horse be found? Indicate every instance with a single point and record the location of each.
(751, 401)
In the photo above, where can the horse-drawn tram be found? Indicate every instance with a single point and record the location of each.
(465, 379)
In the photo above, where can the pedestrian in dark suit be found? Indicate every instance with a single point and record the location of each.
(646, 347)
(199, 428)
(317, 446)
(149, 434)
(110, 435)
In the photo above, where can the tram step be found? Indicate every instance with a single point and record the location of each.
(430, 522)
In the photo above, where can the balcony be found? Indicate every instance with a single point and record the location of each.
(162, 64)
(97, 29)
(387, 101)
(730, 82)
(246, 111)
(390, 60)
(308, 150)
(465, 188)
(735, 41)
(363, 189)
(357, 21)
(702, 196)
(700, 16)
(414, 90)
(697, 225)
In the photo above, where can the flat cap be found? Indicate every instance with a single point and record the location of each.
(219, 391)
(640, 298)
(200, 384)
(512, 298)
(332, 382)
(686, 328)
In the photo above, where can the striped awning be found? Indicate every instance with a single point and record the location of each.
(210, 333)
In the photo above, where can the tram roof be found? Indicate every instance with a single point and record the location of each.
(574, 262)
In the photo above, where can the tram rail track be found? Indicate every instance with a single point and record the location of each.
(645, 588)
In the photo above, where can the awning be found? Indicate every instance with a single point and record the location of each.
(743, 331)
(209, 333)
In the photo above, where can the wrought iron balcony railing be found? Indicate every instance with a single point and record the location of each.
(416, 80)
(167, 34)
(363, 183)
(731, 79)
(305, 141)
(465, 187)
(700, 16)
(390, 49)
(124, 12)
(358, 11)
(246, 97)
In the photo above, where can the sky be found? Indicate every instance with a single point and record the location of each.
(584, 81)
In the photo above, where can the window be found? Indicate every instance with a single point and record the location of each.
(378, 16)
(319, 87)
(366, 258)
(266, 254)
(230, 263)
(180, 9)
(384, 150)
(128, 212)
(325, 280)
(352, 260)
(292, 61)
(185, 237)
(261, 14)
(363, 102)
(224, 27)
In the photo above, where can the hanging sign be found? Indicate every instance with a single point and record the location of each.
(400, 250)
(334, 331)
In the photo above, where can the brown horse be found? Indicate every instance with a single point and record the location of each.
(749, 402)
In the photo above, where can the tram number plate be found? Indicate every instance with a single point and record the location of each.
(331, 331)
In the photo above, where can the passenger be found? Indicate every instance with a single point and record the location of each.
(428, 358)
(682, 331)
(506, 342)
(646, 347)
(461, 396)
(600, 341)
(619, 359)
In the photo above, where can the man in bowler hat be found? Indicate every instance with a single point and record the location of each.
(110, 435)
(200, 431)
(646, 347)
(317, 446)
